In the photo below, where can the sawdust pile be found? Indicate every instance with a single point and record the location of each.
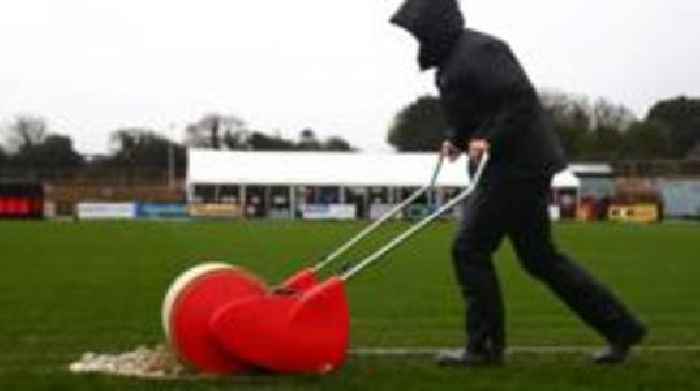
(155, 363)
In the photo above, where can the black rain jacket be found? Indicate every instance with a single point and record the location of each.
(484, 91)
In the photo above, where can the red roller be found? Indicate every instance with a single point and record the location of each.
(189, 306)
(303, 333)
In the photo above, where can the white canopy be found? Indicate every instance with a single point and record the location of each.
(329, 169)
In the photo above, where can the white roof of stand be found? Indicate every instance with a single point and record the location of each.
(329, 169)
(591, 169)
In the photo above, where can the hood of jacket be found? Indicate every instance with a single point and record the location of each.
(436, 24)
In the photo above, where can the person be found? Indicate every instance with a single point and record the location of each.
(492, 106)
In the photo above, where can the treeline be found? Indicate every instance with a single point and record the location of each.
(230, 132)
(30, 151)
(599, 131)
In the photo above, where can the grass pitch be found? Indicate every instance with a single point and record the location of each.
(67, 288)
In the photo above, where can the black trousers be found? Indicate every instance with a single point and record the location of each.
(519, 210)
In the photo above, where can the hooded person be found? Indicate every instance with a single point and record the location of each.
(491, 105)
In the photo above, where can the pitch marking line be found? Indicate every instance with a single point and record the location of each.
(426, 351)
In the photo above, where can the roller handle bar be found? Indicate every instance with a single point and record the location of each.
(360, 266)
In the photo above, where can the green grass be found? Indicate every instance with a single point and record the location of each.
(67, 288)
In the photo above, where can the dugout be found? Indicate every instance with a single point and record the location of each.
(331, 185)
(21, 200)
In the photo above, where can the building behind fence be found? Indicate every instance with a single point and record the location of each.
(672, 185)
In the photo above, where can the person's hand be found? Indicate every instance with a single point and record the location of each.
(477, 147)
(449, 151)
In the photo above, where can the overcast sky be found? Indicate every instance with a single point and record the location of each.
(337, 66)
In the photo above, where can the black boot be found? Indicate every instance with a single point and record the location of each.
(612, 354)
(469, 359)
(618, 351)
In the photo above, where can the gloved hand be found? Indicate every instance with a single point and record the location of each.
(477, 147)
(450, 151)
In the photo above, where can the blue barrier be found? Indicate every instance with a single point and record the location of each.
(147, 210)
(681, 198)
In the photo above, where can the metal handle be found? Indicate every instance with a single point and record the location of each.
(371, 228)
(417, 227)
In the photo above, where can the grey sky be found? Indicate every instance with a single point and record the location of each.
(91, 66)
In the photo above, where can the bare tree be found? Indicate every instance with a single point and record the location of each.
(567, 110)
(571, 117)
(24, 132)
(611, 116)
(211, 130)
